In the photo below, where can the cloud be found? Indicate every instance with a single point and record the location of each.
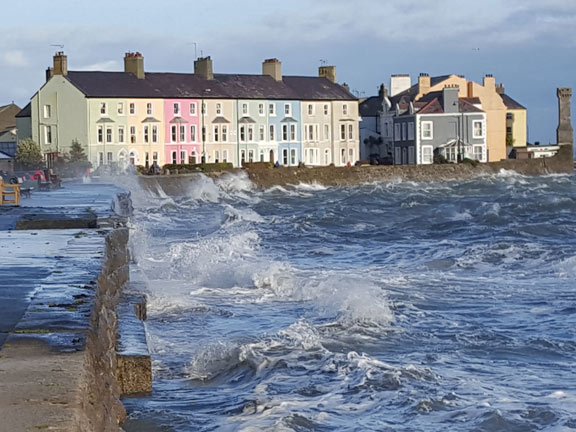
(14, 58)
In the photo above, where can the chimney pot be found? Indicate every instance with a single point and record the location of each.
(60, 64)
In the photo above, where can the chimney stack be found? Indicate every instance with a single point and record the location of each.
(328, 72)
(500, 89)
(382, 91)
(450, 99)
(49, 74)
(60, 64)
(134, 64)
(272, 67)
(489, 82)
(424, 84)
(203, 68)
(399, 83)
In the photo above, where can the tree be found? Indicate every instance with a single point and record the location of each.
(77, 152)
(28, 155)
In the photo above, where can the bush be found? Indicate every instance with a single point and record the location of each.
(469, 161)
(440, 159)
(191, 168)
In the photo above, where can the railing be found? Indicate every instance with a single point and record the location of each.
(9, 194)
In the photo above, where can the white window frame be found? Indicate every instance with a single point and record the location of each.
(48, 134)
(132, 108)
(427, 126)
(311, 109)
(345, 109)
(182, 133)
(427, 158)
(292, 131)
(193, 109)
(120, 108)
(326, 109)
(224, 133)
(176, 109)
(109, 135)
(475, 153)
(121, 136)
(99, 134)
(103, 108)
(261, 111)
(193, 133)
(218, 109)
(146, 130)
(261, 133)
(293, 157)
(272, 132)
(149, 109)
(173, 133)
(327, 158)
(245, 111)
(272, 109)
(287, 109)
(154, 134)
(133, 135)
(216, 133)
(47, 111)
(474, 123)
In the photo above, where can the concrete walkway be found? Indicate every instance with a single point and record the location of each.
(47, 286)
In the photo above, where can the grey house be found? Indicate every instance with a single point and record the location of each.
(439, 123)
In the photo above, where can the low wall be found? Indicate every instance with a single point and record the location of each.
(264, 177)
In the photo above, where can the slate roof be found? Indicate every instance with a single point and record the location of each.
(370, 107)
(25, 112)
(433, 103)
(223, 86)
(8, 116)
(510, 103)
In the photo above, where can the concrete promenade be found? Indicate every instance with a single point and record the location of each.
(52, 250)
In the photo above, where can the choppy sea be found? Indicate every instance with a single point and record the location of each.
(400, 306)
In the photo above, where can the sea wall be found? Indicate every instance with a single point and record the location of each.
(264, 177)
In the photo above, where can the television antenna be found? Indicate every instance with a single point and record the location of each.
(323, 62)
(61, 46)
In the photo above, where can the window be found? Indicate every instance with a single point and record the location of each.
(351, 155)
(343, 132)
(193, 157)
(342, 156)
(451, 153)
(174, 155)
(272, 109)
(121, 134)
(146, 134)
(345, 109)
(218, 109)
(310, 109)
(225, 156)
(193, 111)
(397, 132)
(216, 134)
(109, 134)
(427, 130)
(120, 108)
(132, 109)
(287, 109)
(350, 132)
(149, 108)
(155, 157)
(478, 152)
(261, 155)
(261, 109)
(103, 108)
(216, 156)
(100, 133)
(133, 134)
(48, 134)
(292, 156)
(182, 133)
(326, 109)
(411, 130)
(176, 107)
(100, 158)
(292, 132)
(109, 157)
(272, 132)
(154, 133)
(509, 116)
(326, 157)
(242, 133)
(173, 133)
(261, 133)
(427, 154)
(147, 159)
(284, 156)
(326, 132)
(250, 156)
(250, 133)
(309, 132)
(478, 128)
(47, 111)
(193, 133)
(224, 133)
(284, 132)
(245, 109)
(404, 131)
(183, 156)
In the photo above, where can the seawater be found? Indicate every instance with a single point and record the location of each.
(400, 306)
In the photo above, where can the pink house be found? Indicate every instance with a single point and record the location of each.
(182, 134)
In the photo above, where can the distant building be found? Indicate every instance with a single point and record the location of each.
(371, 142)
(137, 117)
(8, 136)
(486, 98)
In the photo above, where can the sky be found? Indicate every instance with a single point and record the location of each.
(528, 45)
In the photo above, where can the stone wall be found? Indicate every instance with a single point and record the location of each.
(263, 176)
(102, 406)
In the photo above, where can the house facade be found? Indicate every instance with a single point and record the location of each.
(138, 118)
(487, 97)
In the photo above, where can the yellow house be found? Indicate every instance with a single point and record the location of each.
(516, 121)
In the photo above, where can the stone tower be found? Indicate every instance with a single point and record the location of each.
(564, 133)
